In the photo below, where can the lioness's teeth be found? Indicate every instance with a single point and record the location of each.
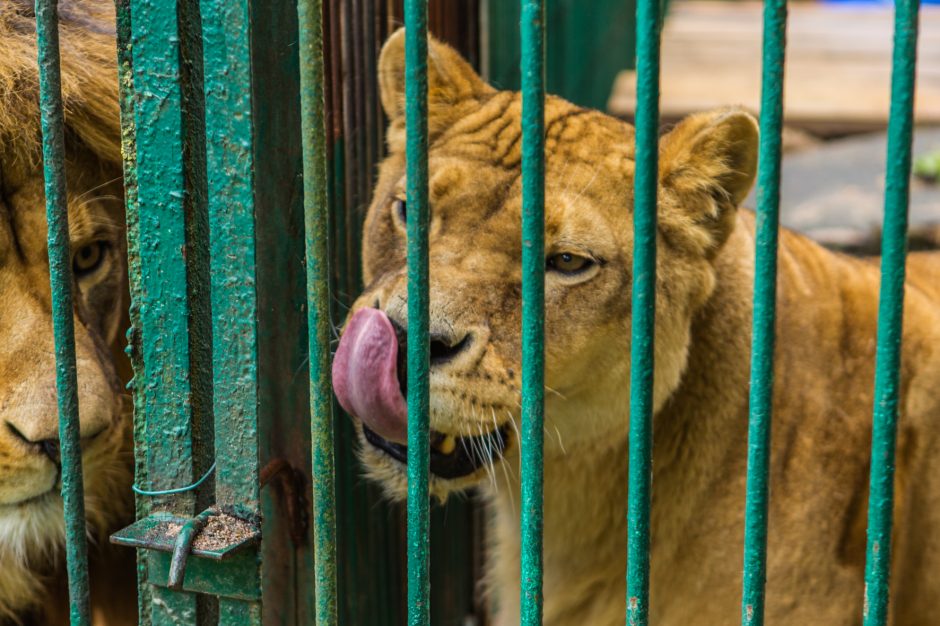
(447, 445)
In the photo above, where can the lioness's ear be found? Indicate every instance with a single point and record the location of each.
(707, 165)
(451, 82)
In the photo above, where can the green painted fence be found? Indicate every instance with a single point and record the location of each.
(214, 229)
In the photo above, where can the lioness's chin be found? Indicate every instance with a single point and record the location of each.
(457, 463)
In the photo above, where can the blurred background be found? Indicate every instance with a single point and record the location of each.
(837, 91)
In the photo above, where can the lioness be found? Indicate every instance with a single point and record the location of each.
(32, 578)
(824, 366)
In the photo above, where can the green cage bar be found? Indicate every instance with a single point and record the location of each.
(416, 126)
(164, 306)
(60, 276)
(165, 380)
(532, 30)
(132, 220)
(316, 209)
(764, 313)
(890, 314)
(230, 171)
(644, 310)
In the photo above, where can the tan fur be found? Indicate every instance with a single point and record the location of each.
(824, 366)
(31, 525)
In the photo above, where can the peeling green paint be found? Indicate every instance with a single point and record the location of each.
(230, 170)
(60, 276)
(232, 579)
(230, 174)
(163, 296)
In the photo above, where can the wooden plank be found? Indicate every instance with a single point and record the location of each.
(838, 64)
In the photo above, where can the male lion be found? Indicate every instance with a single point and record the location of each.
(32, 579)
(824, 366)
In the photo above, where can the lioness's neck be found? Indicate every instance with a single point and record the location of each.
(584, 527)
(583, 537)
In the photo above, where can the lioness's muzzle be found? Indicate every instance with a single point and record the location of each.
(365, 378)
(367, 384)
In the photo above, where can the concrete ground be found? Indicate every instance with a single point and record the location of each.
(834, 191)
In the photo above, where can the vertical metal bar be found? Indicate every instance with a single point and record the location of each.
(288, 547)
(416, 125)
(230, 174)
(316, 208)
(231, 198)
(60, 276)
(764, 314)
(532, 27)
(132, 220)
(644, 310)
(890, 314)
(164, 305)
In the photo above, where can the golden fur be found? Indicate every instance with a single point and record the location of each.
(31, 524)
(824, 365)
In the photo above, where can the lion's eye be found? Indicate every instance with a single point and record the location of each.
(88, 258)
(400, 209)
(567, 263)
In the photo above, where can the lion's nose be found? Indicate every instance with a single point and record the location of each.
(445, 348)
(50, 447)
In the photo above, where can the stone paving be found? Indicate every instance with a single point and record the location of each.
(834, 191)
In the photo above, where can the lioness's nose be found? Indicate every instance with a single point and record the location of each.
(445, 348)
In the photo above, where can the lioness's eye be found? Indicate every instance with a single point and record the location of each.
(400, 210)
(88, 258)
(568, 263)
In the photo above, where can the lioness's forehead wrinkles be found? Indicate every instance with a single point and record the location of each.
(493, 133)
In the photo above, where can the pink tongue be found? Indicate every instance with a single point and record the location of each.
(365, 379)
